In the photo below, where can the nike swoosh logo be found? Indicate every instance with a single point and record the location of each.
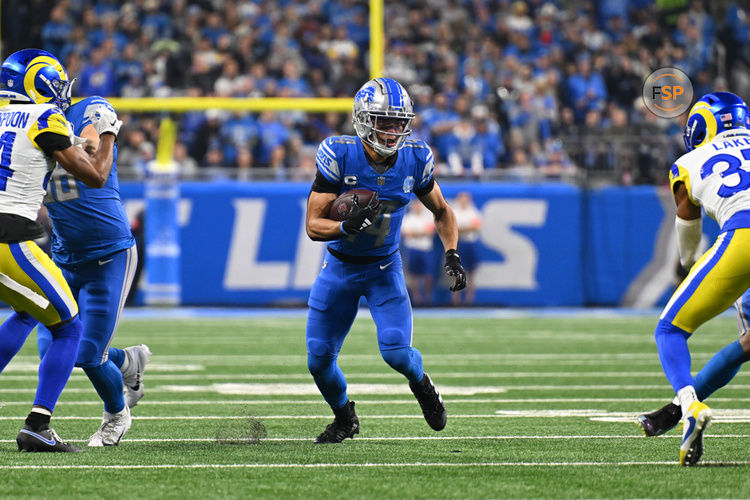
(102, 262)
(50, 442)
(383, 266)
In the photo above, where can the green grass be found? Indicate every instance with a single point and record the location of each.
(538, 408)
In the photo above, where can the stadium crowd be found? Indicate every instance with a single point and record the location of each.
(518, 88)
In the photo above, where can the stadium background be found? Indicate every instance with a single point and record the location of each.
(534, 107)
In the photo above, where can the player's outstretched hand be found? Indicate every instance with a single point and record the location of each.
(105, 121)
(454, 269)
(360, 218)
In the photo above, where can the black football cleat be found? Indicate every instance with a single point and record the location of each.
(345, 425)
(660, 421)
(432, 404)
(44, 440)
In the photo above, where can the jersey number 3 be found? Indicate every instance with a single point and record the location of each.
(6, 145)
(734, 165)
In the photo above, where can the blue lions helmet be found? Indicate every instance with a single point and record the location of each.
(34, 75)
(383, 107)
(712, 114)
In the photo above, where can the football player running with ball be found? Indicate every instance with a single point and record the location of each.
(713, 175)
(363, 258)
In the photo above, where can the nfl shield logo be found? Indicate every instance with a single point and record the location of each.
(381, 181)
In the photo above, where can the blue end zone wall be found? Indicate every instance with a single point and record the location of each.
(541, 244)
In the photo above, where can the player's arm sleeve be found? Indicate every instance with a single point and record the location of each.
(49, 142)
(689, 234)
(50, 133)
(425, 182)
(323, 185)
(680, 174)
(91, 104)
(327, 161)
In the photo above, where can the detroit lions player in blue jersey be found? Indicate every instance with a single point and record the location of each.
(363, 258)
(93, 245)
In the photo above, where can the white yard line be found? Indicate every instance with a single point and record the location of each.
(360, 465)
(360, 402)
(401, 438)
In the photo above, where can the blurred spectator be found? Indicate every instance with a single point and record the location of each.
(418, 232)
(469, 223)
(57, 31)
(97, 76)
(478, 145)
(539, 67)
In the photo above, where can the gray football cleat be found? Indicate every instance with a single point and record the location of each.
(114, 426)
(137, 357)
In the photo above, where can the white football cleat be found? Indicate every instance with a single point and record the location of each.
(114, 426)
(137, 357)
(697, 420)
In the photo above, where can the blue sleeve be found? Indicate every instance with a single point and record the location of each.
(80, 113)
(327, 161)
(425, 166)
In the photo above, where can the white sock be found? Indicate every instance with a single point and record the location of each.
(676, 401)
(686, 396)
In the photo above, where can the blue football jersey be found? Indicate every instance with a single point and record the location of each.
(342, 161)
(88, 222)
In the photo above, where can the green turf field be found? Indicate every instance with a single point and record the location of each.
(539, 407)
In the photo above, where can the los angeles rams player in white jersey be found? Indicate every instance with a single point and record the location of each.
(34, 136)
(363, 258)
(714, 175)
(95, 249)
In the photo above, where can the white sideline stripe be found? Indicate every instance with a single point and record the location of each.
(363, 465)
(592, 414)
(309, 388)
(179, 358)
(463, 391)
(398, 438)
(319, 401)
(33, 367)
(79, 375)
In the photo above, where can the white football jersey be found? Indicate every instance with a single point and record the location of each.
(717, 175)
(24, 168)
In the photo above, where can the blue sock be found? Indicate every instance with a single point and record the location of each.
(13, 333)
(719, 370)
(117, 356)
(107, 380)
(671, 342)
(57, 363)
(329, 378)
(405, 360)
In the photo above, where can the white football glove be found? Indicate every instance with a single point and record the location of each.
(105, 121)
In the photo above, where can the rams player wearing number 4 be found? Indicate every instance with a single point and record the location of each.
(714, 175)
(363, 258)
(34, 135)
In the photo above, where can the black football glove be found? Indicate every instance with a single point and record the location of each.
(454, 269)
(360, 218)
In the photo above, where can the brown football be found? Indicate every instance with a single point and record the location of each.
(341, 207)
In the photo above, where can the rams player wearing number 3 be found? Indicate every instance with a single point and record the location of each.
(714, 175)
(363, 258)
(34, 136)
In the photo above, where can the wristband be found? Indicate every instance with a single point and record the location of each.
(341, 226)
